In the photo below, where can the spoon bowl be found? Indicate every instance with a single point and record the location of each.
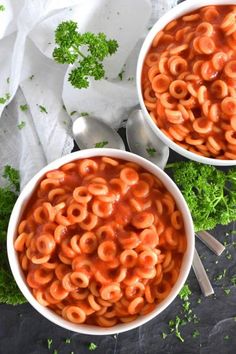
(90, 132)
(143, 141)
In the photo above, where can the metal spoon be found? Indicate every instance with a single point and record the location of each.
(201, 275)
(89, 132)
(140, 138)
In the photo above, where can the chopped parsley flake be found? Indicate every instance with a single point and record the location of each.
(164, 335)
(199, 301)
(2, 8)
(5, 98)
(49, 340)
(21, 125)
(121, 74)
(196, 333)
(185, 292)
(227, 291)
(101, 144)
(73, 112)
(67, 340)
(174, 327)
(8, 80)
(24, 107)
(31, 77)
(228, 255)
(233, 280)
(92, 346)
(42, 109)
(151, 151)
(84, 114)
(226, 337)
(220, 276)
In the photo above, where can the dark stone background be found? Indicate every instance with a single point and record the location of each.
(24, 331)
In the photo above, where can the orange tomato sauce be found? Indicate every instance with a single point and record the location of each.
(101, 241)
(189, 81)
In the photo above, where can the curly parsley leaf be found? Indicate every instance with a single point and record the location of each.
(87, 50)
(209, 192)
(9, 292)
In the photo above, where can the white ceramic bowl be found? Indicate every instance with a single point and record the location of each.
(178, 11)
(20, 206)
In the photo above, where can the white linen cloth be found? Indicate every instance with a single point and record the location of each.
(29, 75)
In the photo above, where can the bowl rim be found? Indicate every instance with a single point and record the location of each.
(174, 13)
(23, 200)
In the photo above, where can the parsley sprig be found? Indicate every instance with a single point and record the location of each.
(209, 192)
(9, 292)
(87, 50)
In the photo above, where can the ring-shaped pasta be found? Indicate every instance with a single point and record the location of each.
(89, 223)
(160, 83)
(178, 89)
(107, 250)
(75, 314)
(76, 213)
(81, 195)
(88, 242)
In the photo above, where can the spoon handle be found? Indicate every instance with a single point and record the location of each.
(211, 242)
(201, 275)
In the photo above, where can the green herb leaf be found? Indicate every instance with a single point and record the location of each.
(49, 341)
(5, 98)
(164, 335)
(24, 107)
(220, 276)
(227, 291)
(67, 340)
(226, 337)
(92, 346)
(9, 291)
(196, 333)
(21, 125)
(42, 109)
(84, 114)
(210, 193)
(185, 292)
(151, 151)
(2, 8)
(101, 144)
(233, 280)
(73, 112)
(31, 77)
(121, 74)
(87, 50)
(174, 327)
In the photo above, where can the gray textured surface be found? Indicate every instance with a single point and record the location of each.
(24, 331)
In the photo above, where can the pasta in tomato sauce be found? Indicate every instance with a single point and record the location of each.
(189, 81)
(101, 241)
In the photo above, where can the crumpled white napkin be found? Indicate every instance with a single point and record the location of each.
(28, 75)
